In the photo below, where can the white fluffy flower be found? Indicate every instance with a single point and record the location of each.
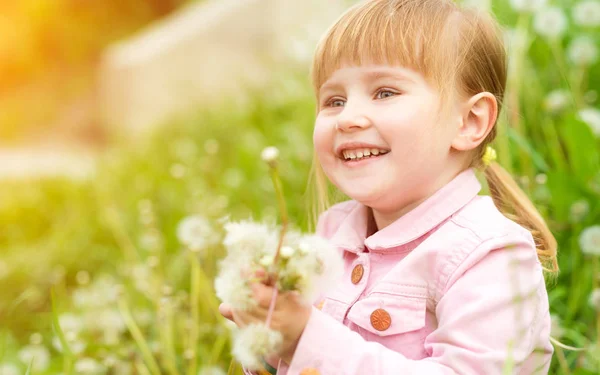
(89, 366)
(315, 268)
(583, 51)
(197, 233)
(70, 323)
(232, 288)
(211, 370)
(527, 5)
(587, 13)
(76, 346)
(591, 116)
(253, 343)
(550, 22)
(579, 210)
(557, 101)
(595, 299)
(270, 154)
(287, 251)
(248, 240)
(9, 369)
(589, 240)
(39, 354)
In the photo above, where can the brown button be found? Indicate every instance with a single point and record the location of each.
(381, 320)
(357, 273)
(310, 371)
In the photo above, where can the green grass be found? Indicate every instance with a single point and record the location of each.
(108, 245)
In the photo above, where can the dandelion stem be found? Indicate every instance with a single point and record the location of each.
(282, 211)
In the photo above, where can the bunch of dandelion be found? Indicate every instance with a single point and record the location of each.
(293, 262)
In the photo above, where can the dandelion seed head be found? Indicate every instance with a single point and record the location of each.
(39, 353)
(591, 116)
(89, 366)
(595, 299)
(589, 240)
(557, 101)
(255, 342)
(587, 13)
(583, 51)
(9, 369)
(197, 233)
(550, 22)
(270, 154)
(579, 210)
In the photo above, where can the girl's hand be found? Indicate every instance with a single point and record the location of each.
(289, 317)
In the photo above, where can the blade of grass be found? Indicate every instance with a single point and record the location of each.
(138, 337)
(68, 359)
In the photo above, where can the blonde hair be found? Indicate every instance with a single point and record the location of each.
(460, 52)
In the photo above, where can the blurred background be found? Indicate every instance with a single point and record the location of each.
(126, 127)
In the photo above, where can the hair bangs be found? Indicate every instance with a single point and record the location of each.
(400, 33)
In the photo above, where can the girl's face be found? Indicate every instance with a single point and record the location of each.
(379, 138)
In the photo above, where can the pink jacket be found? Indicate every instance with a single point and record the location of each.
(452, 287)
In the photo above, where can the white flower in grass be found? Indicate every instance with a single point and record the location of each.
(270, 154)
(70, 322)
(595, 299)
(591, 116)
(579, 210)
(39, 354)
(211, 370)
(587, 13)
(557, 100)
(76, 346)
(583, 51)
(197, 233)
(550, 22)
(9, 369)
(255, 342)
(527, 5)
(89, 366)
(589, 240)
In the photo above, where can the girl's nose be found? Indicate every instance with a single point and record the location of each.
(352, 123)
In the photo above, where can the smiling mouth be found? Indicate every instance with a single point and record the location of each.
(361, 154)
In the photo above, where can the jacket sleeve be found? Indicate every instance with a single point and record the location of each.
(492, 313)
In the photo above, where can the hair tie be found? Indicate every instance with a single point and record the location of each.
(489, 156)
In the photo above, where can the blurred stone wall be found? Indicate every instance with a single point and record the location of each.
(204, 53)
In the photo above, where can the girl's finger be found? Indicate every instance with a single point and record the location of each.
(262, 294)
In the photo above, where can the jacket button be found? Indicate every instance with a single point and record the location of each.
(381, 320)
(357, 273)
(310, 371)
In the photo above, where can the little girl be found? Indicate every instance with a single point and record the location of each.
(438, 279)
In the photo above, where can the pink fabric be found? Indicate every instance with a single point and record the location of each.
(461, 282)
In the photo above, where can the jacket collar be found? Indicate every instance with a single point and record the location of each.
(351, 235)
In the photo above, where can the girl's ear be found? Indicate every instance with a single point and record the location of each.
(478, 118)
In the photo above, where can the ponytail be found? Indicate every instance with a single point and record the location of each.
(515, 205)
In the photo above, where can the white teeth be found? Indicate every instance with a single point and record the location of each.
(364, 153)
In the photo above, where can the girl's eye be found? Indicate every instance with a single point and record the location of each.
(383, 94)
(335, 103)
